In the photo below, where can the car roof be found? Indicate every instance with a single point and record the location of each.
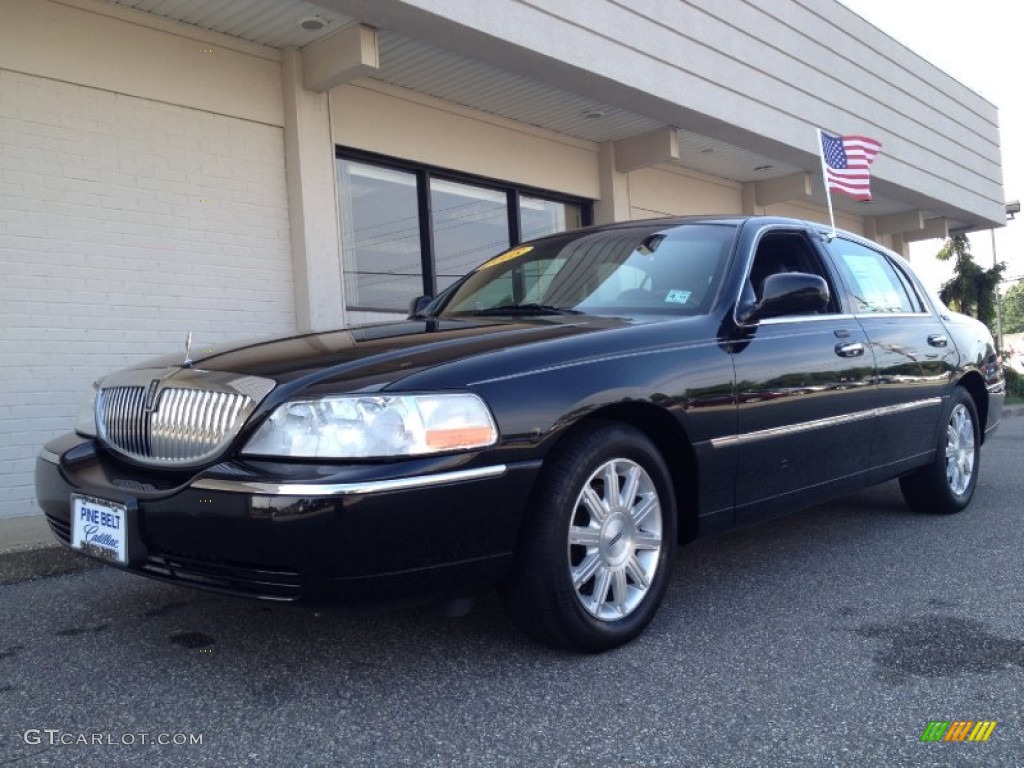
(668, 222)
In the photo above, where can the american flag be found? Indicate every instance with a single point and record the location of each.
(847, 162)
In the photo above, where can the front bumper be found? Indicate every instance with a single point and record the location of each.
(302, 532)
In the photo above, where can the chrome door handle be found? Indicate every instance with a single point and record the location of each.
(938, 340)
(851, 349)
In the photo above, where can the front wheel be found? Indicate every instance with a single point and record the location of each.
(947, 484)
(596, 552)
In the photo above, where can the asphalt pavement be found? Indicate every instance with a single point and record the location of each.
(831, 637)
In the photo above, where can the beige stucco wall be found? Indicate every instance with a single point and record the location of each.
(375, 117)
(810, 212)
(665, 191)
(103, 46)
(392, 121)
(669, 191)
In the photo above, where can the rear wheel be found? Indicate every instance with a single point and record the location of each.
(594, 559)
(947, 484)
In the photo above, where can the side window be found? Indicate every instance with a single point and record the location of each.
(779, 252)
(876, 286)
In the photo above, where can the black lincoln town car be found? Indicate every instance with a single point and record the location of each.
(553, 423)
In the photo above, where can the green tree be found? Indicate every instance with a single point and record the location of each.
(972, 289)
(1013, 309)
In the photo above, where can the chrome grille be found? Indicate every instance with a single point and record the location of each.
(190, 424)
(167, 425)
(122, 416)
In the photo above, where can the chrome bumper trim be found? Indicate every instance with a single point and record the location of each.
(349, 489)
(49, 456)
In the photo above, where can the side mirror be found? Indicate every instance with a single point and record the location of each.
(417, 305)
(789, 293)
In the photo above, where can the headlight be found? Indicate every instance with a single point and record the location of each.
(372, 426)
(85, 424)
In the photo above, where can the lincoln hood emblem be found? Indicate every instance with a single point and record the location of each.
(150, 403)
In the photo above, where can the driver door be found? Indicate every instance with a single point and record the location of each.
(804, 391)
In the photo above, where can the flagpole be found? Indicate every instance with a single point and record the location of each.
(824, 179)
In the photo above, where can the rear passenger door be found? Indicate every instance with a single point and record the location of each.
(913, 354)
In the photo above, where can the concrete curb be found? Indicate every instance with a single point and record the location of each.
(28, 549)
(28, 532)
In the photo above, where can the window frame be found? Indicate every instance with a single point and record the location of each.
(423, 173)
(822, 258)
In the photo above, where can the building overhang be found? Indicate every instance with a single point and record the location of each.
(683, 85)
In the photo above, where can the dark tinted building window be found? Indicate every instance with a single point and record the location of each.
(408, 229)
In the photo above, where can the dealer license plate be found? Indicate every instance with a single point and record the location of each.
(98, 527)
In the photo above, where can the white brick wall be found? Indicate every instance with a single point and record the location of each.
(124, 224)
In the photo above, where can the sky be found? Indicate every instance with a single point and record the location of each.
(976, 43)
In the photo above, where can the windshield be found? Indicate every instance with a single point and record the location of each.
(638, 270)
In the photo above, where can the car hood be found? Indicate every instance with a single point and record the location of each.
(371, 356)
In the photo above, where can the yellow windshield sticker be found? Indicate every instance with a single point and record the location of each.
(515, 253)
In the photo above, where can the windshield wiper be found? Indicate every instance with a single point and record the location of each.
(526, 309)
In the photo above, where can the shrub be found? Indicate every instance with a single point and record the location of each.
(1014, 383)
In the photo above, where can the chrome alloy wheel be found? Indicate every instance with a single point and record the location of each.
(615, 539)
(959, 450)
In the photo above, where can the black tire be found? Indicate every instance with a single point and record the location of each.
(946, 485)
(562, 537)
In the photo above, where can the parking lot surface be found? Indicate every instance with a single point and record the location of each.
(830, 637)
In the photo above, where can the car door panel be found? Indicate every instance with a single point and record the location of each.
(804, 391)
(814, 423)
(914, 356)
(913, 379)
